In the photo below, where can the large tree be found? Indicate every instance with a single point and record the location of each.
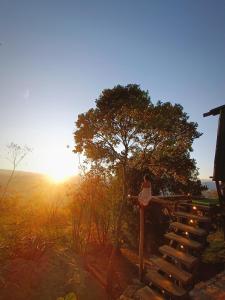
(112, 132)
(126, 130)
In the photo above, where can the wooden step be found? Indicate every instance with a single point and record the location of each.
(188, 260)
(191, 216)
(146, 293)
(172, 270)
(183, 241)
(193, 205)
(165, 284)
(189, 229)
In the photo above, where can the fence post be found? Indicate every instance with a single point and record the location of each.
(141, 244)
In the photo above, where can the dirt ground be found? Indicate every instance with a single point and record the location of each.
(124, 269)
(56, 274)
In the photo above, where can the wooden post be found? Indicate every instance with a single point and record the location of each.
(141, 244)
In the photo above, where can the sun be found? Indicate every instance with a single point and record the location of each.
(57, 177)
(59, 164)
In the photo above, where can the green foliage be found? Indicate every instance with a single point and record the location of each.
(112, 130)
(215, 252)
(126, 129)
(70, 296)
(92, 211)
(130, 229)
(168, 143)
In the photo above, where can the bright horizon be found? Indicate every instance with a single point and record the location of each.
(57, 57)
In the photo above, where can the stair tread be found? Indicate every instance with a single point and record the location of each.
(190, 229)
(189, 243)
(172, 270)
(146, 293)
(187, 259)
(191, 216)
(199, 206)
(165, 284)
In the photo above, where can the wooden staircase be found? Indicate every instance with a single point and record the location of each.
(177, 268)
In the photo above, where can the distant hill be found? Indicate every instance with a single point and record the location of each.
(21, 180)
(28, 184)
(210, 184)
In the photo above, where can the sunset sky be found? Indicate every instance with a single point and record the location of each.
(57, 56)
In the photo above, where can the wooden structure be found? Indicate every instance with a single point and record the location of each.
(141, 243)
(177, 267)
(219, 161)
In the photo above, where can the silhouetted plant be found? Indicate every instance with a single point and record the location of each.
(15, 155)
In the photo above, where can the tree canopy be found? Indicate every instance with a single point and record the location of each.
(126, 129)
(112, 131)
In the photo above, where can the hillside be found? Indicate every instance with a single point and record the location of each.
(209, 183)
(27, 184)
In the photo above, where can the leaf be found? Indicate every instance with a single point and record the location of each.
(71, 296)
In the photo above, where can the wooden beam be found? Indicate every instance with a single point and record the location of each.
(141, 244)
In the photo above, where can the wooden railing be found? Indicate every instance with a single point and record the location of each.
(169, 202)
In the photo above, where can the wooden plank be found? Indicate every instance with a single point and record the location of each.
(146, 293)
(189, 229)
(133, 258)
(141, 243)
(172, 270)
(188, 260)
(191, 216)
(183, 241)
(92, 269)
(165, 284)
(198, 206)
(173, 197)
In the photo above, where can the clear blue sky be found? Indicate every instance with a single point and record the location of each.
(57, 56)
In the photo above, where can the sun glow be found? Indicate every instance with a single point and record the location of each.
(58, 163)
(58, 177)
(59, 172)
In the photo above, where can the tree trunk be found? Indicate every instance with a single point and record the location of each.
(116, 246)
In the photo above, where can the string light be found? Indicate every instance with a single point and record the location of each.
(191, 221)
(194, 207)
(186, 233)
(182, 247)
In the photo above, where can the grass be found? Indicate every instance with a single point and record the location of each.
(215, 252)
(206, 202)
